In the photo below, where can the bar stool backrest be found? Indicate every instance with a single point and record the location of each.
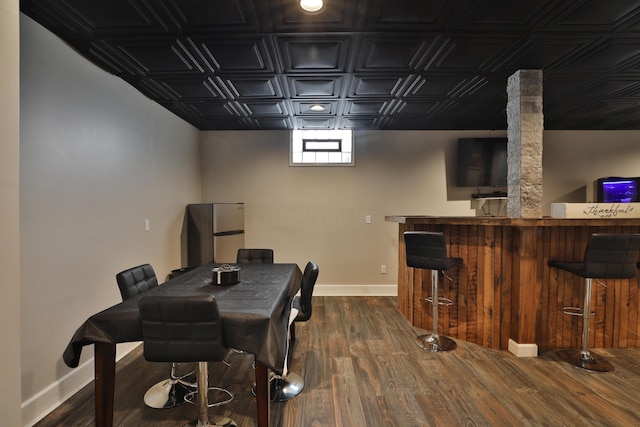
(254, 256)
(136, 280)
(611, 256)
(428, 250)
(181, 329)
(303, 303)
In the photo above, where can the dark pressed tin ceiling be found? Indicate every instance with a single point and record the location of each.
(373, 64)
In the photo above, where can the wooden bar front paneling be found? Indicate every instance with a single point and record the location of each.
(505, 289)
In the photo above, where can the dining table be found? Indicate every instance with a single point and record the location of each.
(255, 318)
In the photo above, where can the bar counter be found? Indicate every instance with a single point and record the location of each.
(505, 295)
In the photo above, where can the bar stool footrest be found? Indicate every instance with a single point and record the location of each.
(441, 301)
(227, 397)
(575, 311)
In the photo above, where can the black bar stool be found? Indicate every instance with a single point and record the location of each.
(607, 256)
(290, 384)
(428, 250)
(187, 329)
(171, 391)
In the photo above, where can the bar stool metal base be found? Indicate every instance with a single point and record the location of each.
(201, 398)
(167, 394)
(590, 361)
(212, 421)
(284, 388)
(435, 342)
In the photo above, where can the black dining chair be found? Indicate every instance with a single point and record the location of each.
(187, 329)
(428, 250)
(607, 256)
(169, 392)
(254, 256)
(290, 384)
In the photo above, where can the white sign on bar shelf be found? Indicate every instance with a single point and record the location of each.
(595, 210)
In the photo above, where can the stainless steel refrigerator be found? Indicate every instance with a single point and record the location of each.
(215, 232)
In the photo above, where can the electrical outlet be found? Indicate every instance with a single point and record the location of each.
(367, 219)
(383, 269)
(147, 225)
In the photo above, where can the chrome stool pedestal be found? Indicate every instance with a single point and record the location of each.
(435, 341)
(169, 392)
(584, 358)
(200, 397)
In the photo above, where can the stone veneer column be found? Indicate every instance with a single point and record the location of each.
(525, 123)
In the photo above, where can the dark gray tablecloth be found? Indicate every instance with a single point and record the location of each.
(255, 312)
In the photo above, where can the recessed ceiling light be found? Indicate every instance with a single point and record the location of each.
(317, 107)
(311, 5)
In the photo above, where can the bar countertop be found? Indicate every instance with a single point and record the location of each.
(513, 222)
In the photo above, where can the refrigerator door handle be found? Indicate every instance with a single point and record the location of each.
(229, 233)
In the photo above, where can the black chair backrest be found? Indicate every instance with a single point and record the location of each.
(303, 303)
(255, 256)
(136, 280)
(611, 256)
(428, 250)
(181, 329)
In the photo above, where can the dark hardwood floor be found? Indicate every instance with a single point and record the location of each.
(362, 368)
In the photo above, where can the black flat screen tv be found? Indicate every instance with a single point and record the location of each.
(482, 162)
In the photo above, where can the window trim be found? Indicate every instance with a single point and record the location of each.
(301, 139)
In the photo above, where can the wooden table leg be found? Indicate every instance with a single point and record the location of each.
(105, 375)
(263, 394)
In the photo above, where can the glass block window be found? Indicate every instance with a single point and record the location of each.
(321, 148)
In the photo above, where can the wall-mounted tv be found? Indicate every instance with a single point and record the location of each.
(617, 190)
(482, 162)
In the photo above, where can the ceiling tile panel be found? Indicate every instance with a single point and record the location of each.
(160, 57)
(471, 54)
(315, 123)
(368, 108)
(254, 87)
(393, 13)
(266, 108)
(417, 108)
(310, 87)
(237, 55)
(218, 16)
(602, 13)
(506, 14)
(377, 86)
(364, 122)
(320, 55)
(274, 123)
(606, 57)
(392, 55)
(109, 15)
(193, 90)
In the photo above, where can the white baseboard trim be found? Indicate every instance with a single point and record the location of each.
(390, 290)
(523, 350)
(41, 404)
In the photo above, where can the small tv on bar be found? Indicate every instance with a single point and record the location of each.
(482, 162)
(617, 190)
